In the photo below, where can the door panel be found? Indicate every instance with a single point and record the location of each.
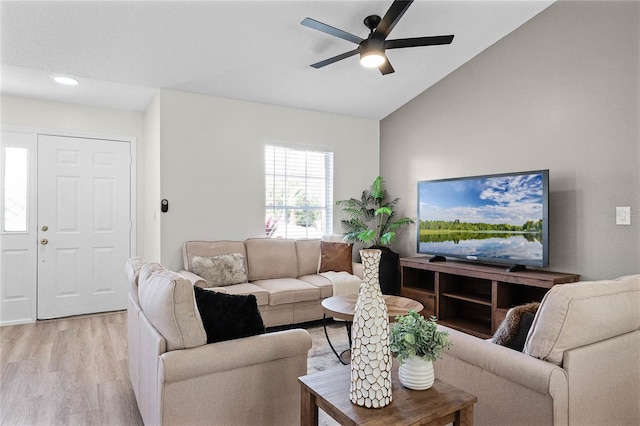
(84, 205)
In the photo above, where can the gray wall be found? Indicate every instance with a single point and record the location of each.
(561, 92)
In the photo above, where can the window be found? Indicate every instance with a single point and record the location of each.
(15, 189)
(299, 192)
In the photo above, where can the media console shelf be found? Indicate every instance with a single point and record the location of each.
(470, 297)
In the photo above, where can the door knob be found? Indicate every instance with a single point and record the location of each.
(44, 241)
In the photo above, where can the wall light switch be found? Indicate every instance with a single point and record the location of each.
(623, 215)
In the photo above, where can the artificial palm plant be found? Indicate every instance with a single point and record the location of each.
(371, 218)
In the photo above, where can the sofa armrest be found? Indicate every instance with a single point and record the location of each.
(358, 269)
(512, 388)
(232, 354)
(198, 281)
(511, 365)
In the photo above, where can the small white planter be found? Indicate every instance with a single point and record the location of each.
(416, 373)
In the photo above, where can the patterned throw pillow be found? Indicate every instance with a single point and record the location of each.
(221, 270)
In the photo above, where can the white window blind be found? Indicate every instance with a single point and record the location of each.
(299, 192)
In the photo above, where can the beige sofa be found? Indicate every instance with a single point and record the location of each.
(178, 379)
(281, 273)
(580, 365)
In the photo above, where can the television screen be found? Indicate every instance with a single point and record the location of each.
(500, 218)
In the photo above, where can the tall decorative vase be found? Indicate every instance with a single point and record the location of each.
(370, 353)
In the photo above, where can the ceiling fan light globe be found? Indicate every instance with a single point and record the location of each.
(372, 60)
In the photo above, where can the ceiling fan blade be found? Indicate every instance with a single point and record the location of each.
(336, 58)
(328, 29)
(386, 67)
(418, 41)
(392, 17)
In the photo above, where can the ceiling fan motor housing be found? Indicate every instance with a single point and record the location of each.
(372, 22)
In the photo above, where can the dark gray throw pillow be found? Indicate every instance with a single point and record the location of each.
(517, 343)
(228, 316)
(513, 331)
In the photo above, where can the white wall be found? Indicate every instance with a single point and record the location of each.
(205, 155)
(561, 92)
(59, 116)
(212, 163)
(150, 173)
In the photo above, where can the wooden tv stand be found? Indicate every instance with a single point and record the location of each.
(470, 297)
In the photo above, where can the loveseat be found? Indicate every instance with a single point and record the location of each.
(289, 278)
(580, 364)
(179, 379)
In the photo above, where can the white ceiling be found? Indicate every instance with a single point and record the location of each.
(123, 51)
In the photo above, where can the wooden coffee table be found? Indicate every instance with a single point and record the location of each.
(329, 390)
(343, 307)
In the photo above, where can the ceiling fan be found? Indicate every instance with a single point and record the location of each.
(372, 49)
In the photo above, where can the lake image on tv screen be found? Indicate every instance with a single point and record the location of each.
(487, 217)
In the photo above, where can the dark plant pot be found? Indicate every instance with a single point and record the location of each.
(389, 271)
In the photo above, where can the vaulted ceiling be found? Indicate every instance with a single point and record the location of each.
(122, 52)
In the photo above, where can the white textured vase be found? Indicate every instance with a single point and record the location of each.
(416, 373)
(370, 353)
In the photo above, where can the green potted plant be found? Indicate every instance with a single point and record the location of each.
(371, 219)
(416, 342)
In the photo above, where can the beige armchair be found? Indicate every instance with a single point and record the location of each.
(179, 379)
(580, 365)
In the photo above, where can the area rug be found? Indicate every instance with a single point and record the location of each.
(321, 357)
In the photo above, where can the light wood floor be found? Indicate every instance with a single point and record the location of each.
(74, 371)
(67, 372)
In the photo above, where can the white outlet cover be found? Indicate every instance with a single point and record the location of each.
(623, 215)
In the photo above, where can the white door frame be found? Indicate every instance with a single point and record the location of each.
(35, 132)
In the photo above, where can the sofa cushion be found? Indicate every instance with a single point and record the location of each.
(343, 283)
(288, 290)
(132, 271)
(228, 316)
(269, 258)
(209, 249)
(308, 252)
(262, 295)
(324, 284)
(513, 330)
(335, 257)
(221, 270)
(167, 300)
(578, 314)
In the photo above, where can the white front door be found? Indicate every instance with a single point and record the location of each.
(84, 225)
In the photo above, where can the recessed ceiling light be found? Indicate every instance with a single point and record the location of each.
(67, 81)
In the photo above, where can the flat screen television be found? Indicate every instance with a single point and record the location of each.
(500, 218)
